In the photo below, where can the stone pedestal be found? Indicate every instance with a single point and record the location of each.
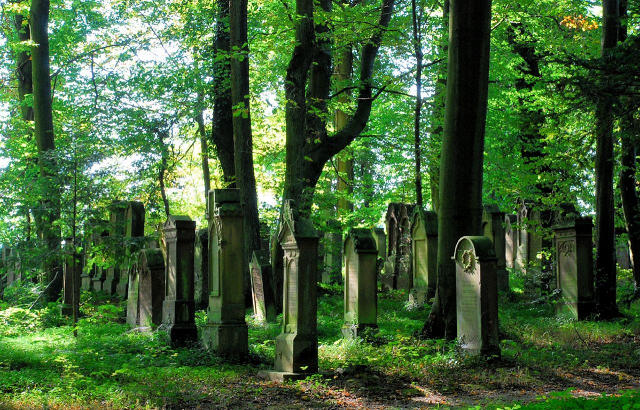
(178, 309)
(493, 228)
(226, 331)
(133, 229)
(151, 286)
(424, 239)
(360, 286)
(264, 308)
(477, 296)
(574, 267)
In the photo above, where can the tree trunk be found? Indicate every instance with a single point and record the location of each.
(605, 274)
(417, 46)
(43, 131)
(204, 149)
(243, 142)
(344, 71)
(222, 130)
(462, 151)
(24, 70)
(162, 172)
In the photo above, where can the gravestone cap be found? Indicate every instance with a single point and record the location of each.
(363, 241)
(300, 228)
(482, 247)
(150, 258)
(429, 220)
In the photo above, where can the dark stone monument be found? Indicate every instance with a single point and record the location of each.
(574, 266)
(178, 309)
(201, 266)
(493, 228)
(424, 239)
(477, 296)
(226, 332)
(360, 285)
(264, 308)
(133, 229)
(151, 287)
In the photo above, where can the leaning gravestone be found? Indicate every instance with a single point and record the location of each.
(476, 296)
(178, 309)
(133, 229)
(360, 284)
(151, 281)
(574, 266)
(297, 345)
(201, 266)
(226, 332)
(424, 239)
(264, 308)
(493, 228)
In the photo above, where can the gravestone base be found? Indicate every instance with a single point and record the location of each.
(226, 339)
(296, 353)
(363, 331)
(283, 376)
(571, 310)
(182, 334)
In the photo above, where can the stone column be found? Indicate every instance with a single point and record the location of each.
(360, 285)
(151, 287)
(133, 229)
(178, 309)
(424, 239)
(493, 227)
(574, 266)
(264, 308)
(477, 296)
(226, 332)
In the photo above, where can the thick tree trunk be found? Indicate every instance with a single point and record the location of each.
(24, 71)
(631, 204)
(243, 141)
(417, 45)
(43, 131)
(222, 130)
(605, 274)
(344, 71)
(462, 151)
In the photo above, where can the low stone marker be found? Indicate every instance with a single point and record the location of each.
(424, 239)
(226, 332)
(264, 308)
(360, 285)
(297, 345)
(178, 308)
(493, 227)
(477, 296)
(151, 286)
(574, 266)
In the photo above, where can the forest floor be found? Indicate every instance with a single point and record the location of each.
(546, 362)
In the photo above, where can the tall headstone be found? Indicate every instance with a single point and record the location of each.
(133, 230)
(178, 309)
(71, 278)
(574, 266)
(360, 284)
(117, 211)
(297, 345)
(151, 287)
(477, 296)
(493, 228)
(226, 332)
(424, 240)
(510, 240)
(201, 266)
(264, 308)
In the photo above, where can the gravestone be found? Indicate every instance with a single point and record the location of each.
(178, 308)
(151, 287)
(397, 266)
(226, 332)
(264, 308)
(477, 296)
(332, 272)
(574, 266)
(133, 303)
(510, 240)
(201, 266)
(493, 228)
(297, 345)
(381, 241)
(360, 284)
(94, 276)
(117, 211)
(133, 230)
(623, 256)
(71, 277)
(424, 239)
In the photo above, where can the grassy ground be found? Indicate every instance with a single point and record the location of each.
(546, 363)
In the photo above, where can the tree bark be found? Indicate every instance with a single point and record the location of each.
(344, 71)
(462, 151)
(605, 274)
(417, 46)
(24, 69)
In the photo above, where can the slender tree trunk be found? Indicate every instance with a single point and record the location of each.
(162, 172)
(605, 274)
(243, 141)
(43, 131)
(462, 151)
(344, 70)
(417, 45)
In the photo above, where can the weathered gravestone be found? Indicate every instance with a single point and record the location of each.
(178, 308)
(201, 266)
(133, 304)
(226, 331)
(510, 240)
(424, 239)
(493, 228)
(151, 287)
(133, 230)
(623, 256)
(477, 296)
(397, 267)
(93, 275)
(117, 211)
(574, 266)
(360, 284)
(381, 241)
(297, 345)
(332, 271)
(71, 277)
(264, 308)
